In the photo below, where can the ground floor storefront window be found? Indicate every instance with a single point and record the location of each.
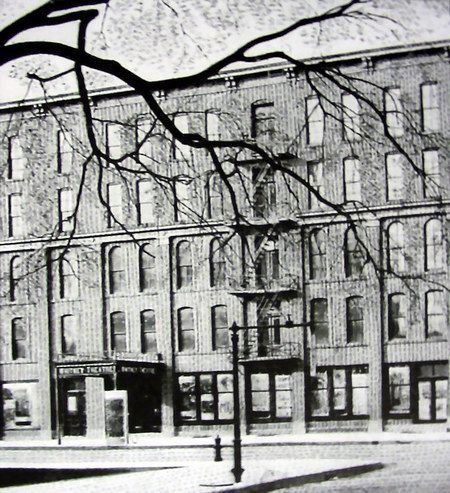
(339, 392)
(19, 405)
(269, 396)
(418, 391)
(205, 398)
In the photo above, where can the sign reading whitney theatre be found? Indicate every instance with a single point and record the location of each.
(110, 368)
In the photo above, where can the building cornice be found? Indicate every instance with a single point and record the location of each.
(244, 70)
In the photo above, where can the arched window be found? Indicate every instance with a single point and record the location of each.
(215, 196)
(68, 334)
(435, 314)
(15, 277)
(434, 251)
(19, 339)
(397, 316)
(148, 332)
(355, 319)
(217, 263)
(118, 332)
(186, 329)
(396, 247)
(184, 264)
(354, 255)
(220, 332)
(116, 270)
(317, 259)
(147, 266)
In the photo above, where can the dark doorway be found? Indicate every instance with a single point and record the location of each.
(144, 401)
(73, 406)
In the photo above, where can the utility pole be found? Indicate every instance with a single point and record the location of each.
(237, 442)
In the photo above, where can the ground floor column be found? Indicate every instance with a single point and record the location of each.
(95, 408)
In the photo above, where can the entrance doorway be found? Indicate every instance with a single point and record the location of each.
(74, 407)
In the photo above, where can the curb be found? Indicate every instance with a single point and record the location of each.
(316, 477)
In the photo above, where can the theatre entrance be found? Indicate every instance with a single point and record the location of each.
(108, 398)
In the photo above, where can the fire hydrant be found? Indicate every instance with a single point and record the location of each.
(217, 449)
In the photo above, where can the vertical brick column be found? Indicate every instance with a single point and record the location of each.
(165, 335)
(95, 408)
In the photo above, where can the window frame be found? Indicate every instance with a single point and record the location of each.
(118, 332)
(68, 273)
(395, 177)
(393, 111)
(351, 118)
(16, 223)
(17, 161)
(432, 174)
(270, 416)
(355, 326)
(117, 277)
(66, 348)
(220, 333)
(66, 210)
(334, 413)
(354, 257)
(352, 185)
(267, 261)
(64, 153)
(434, 246)
(315, 180)
(149, 341)
(184, 266)
(432, 316)
(318, 325)
(146, 210)
(217, 264)
(147, 266)
(187, 335)
(319, 251)
(430, 113)
(397, 330)
(315, 127)
(267, 120)
(396, 251)
(19, 339)
(197, 395)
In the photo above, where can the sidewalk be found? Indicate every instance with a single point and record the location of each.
(198, 477)
(157, 440)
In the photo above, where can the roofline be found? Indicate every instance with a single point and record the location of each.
(252, 69)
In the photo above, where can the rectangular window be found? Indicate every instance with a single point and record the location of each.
(69, 276)
(17, 160)
(113, 140)
(319, 321)
(264, 191)
(66, 211)
(19, 405)
(183, 200)
(19, 339)
(352, 180)
(205, 398)
(148, 332)
(118, 332)
(186, 329)
(69, 335)
(432, 179)
(317, 254)
(268, 332)
(315, 180)
(430, 107)
(339, 392)
(65, 153)
(267, 261)
(350, 117)
(263, 121)
(393, 111)
(355, 320)
(145, 202)
(435, 314)
(15, 217)
(145, 131)
(397, 316)
(115, 209)
(212, 125)
(399, 390)
(181, 152)
(220, 329)
(271, 397)
(395, 185)
(315, 121)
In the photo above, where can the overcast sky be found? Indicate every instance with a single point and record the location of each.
(161, 38)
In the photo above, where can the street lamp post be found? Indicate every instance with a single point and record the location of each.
(237, 442)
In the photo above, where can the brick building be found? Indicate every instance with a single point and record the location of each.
(131, 316)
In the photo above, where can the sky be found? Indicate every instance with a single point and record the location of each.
(166, 38)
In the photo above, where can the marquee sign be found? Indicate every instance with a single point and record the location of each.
(67, 370)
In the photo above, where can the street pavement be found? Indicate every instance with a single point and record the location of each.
(204, 477)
